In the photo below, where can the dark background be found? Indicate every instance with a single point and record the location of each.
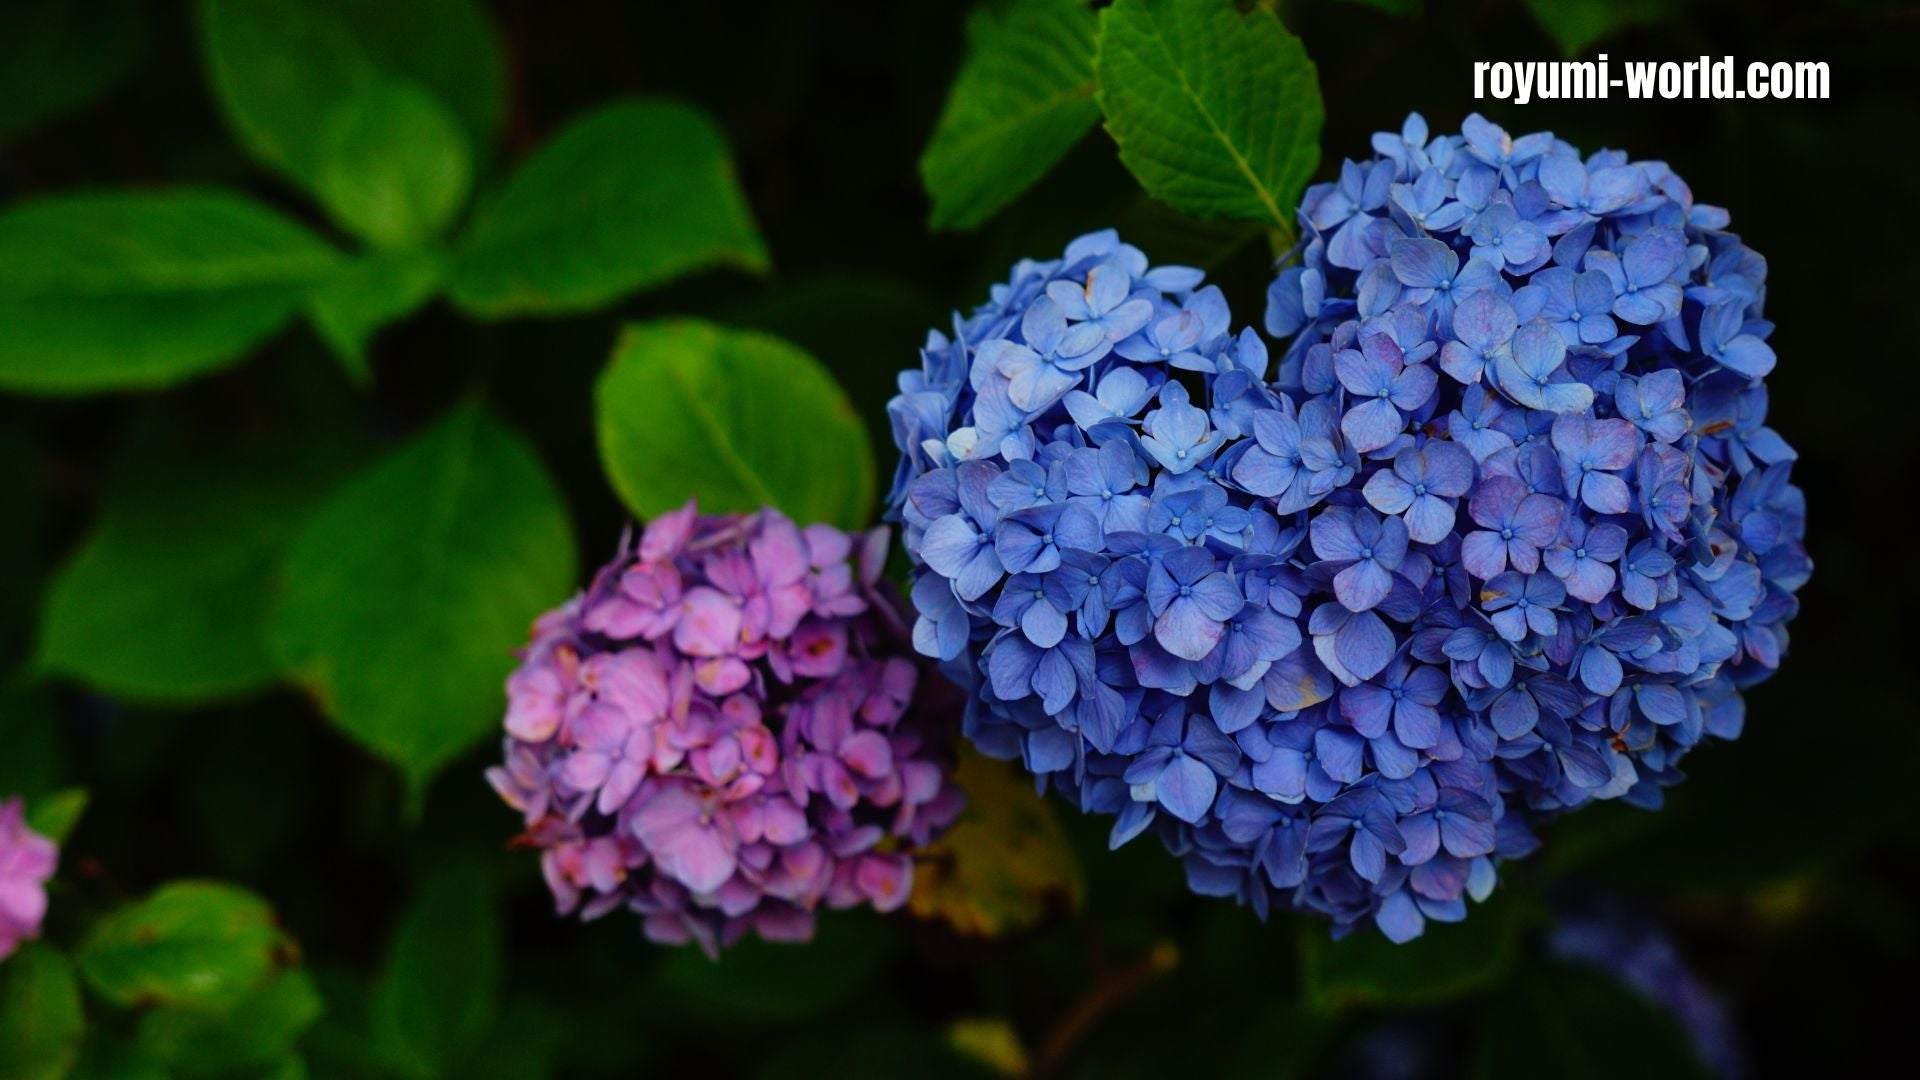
(1783, 870)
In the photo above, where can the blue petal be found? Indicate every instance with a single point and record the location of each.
(1186, 788)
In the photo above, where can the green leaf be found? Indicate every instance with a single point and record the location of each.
(283, 69)
(199, 944)
(254, 1034)
(55, 815)
(394, 167)
(1576, 1024)
(1005, 864)
(41, 1020)
(166, 601)
(407, 592)
(1576, 24)
(369, 294)
(852, 323)
(441, 990)
(58, 55)
(1216, 112)
(131, 290)
(1023, 97)
(629, 197)
(737, 419)
(1447, 961)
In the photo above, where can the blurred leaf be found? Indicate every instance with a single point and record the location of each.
(131, 290)
(441, 989)
(291, 1067)
(991, 1041)
(739, 419)
(393, 168)
(167, 599)
(283, 69)
(1571, 1023)
(1576, 24)
(58, 55)
(406, 593)
(199, 944)
(1023, 97)
(55, 815)
(367, 295)
(1005, 865)
(1449, 960)
(41, 1020)
(257, 1033)
(758, 980)
(1216, 112)
(631, 196)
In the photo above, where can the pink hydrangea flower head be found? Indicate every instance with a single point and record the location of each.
(721, 733)
(27, 860)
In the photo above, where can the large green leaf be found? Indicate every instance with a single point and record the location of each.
(393, 168)
(407, 592)
(197, 944)
(57, 55)
(41, 1022)
(166, 601)
(283, 69)
(367, 295)
(1021, 100)
(441, 989)
(116, 290)
(1216, 112)
(254, 1034)
(737, 419)
(629, 197)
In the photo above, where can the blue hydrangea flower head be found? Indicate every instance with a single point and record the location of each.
(1503, 531)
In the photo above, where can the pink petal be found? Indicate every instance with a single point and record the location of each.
(868, 754)
(709, 623)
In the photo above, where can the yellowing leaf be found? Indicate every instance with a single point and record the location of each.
(1005, 865)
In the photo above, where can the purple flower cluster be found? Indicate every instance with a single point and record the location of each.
(720, 733)
(27, 860)
(1504, 533)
